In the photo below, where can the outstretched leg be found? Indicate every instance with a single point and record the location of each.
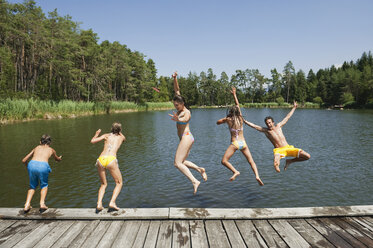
(117, 176)
(276, 162)
(101, 191)
(246, 152)
(303, 156)
(180, 156)
(225, 161)
(193, 166)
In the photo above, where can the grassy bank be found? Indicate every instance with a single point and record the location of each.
(266, 105)
(13, 110)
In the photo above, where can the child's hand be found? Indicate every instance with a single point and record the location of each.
(175, 74)
(98, 132)
(233, 91)
(60, 158)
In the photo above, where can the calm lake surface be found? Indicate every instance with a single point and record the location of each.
(340, 171)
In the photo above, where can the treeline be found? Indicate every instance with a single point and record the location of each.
(350, 85)
(51, 58)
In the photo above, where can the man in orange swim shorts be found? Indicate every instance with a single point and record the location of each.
(277, 138)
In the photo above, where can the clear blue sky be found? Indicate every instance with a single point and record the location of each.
(194, 35)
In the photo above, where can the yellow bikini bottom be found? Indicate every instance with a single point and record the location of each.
(105, 160)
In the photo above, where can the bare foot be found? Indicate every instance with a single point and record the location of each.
(27, 208)
(99, 208)
(237, 173)
(203, 173)
(43, 208)
(277, 168)
(259, 181)
(113, 207)
(195, 186)
(288, 162)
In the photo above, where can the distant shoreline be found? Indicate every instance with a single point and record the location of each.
(17, 111)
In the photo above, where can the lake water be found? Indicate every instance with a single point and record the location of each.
(340, 171)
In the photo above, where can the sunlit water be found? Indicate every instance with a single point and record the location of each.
(339, 172)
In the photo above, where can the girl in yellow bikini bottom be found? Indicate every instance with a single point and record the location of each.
(287, 151)
(104, 161)
(239, 144)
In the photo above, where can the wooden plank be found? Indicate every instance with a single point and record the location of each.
(111, 234)
(216, 234)
(127, 235)
(345, 235)
(4, 224)
(89, 228)
(36, 235)
(354, 232)
(21, 234)
(362, 223)
(328, 233)
(367, 221)
(141, 235)
(86, 214)
(250, 235)
(54, 234)
(198, 234)
(268, 213)
(94, 237)
(70, 234)
(181, 234)
(165, 234)
(356, 225)
(233, 233)
(13, 229)
(152, 235)
(289, 234)
(313, 237)
(271, 237)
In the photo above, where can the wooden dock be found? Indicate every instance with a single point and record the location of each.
(184, 227)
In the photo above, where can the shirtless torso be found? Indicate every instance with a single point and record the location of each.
(282, 149)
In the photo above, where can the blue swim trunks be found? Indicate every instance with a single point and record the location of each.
(38, 171)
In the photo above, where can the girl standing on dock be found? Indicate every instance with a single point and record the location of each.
(182, 118)
(108, 160)
(235, 121)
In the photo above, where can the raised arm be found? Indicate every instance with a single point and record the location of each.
(28, 156)
(96, 139)
(221, 121)
(176, 85)
(259, 128)
(233, 91)
(57, 158)
(283, 122)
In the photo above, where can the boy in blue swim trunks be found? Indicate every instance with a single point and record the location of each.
(38, 170)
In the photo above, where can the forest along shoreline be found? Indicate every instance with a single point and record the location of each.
(15, 111)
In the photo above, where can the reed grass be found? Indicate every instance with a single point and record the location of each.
(23, 109)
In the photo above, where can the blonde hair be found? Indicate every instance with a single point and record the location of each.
(116, 128)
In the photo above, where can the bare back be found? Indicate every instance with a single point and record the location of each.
(112, 144)
(236, 129)
(42, 153)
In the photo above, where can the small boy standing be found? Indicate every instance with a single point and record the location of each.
(38, 171)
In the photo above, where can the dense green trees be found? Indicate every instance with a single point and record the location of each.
(51, 58)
